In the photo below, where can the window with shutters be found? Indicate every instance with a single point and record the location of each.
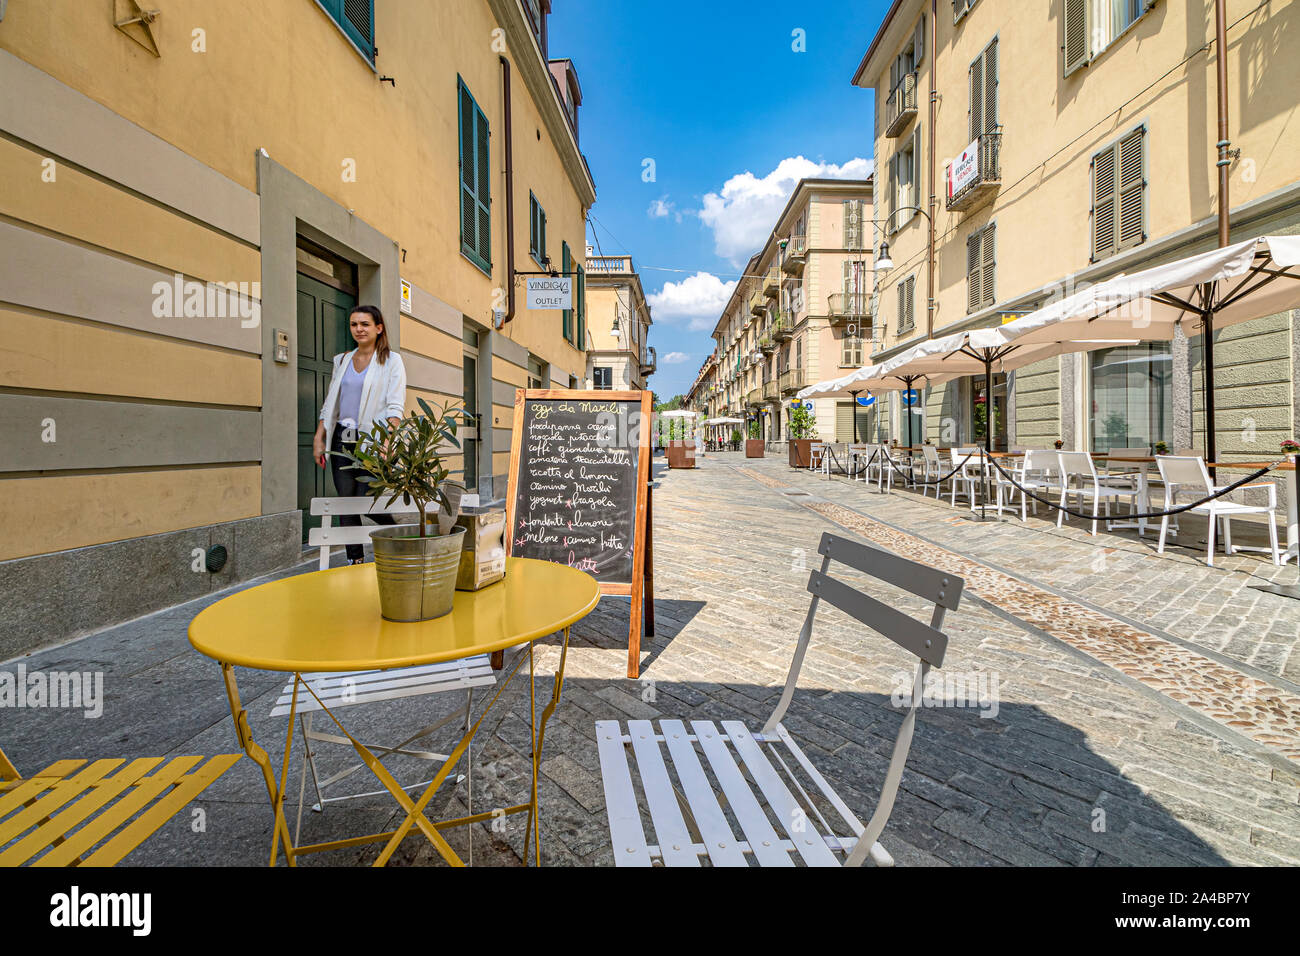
(1119, 195)
(356, 18)
(981, 262)
(960, 8)
(1090, 26)
(907, 305)
(983, 111)
(903, 194)
(851, 349)
(536, 230)
(475, 182)
(566, 266)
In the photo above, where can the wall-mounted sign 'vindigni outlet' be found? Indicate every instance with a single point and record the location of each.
(550, 292)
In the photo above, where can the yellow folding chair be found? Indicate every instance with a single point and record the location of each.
(66, 815)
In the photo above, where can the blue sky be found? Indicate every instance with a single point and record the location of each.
(716, 96)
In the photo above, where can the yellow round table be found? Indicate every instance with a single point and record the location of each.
(330, 621)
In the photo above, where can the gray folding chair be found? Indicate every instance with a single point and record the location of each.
(766, 814)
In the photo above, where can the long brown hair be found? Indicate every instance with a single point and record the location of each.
(377, 317)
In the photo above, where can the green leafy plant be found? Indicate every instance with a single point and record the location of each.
(1161, 448)
(735, 434)
(1290, 446)
(405, 460)
(801, 422)
(755, 429)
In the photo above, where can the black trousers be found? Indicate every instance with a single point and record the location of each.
(348, 485)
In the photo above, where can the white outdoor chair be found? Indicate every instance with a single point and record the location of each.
(764, 778)
(928, 468)
(1188, 475)
(347, 689)
(881, 468)
(816, 454)
(964, 473)
(1040, 472)
(859, 452)
(1100, 489)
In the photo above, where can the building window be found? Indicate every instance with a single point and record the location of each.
(356, 18)
(981, 264)
(851, 351)
(566, 266)
(902, 182)
(1132, 396)
(960, 8)
(537, 377)
(536, 230)
(475, 182)
(1090, 26)
(906, 304)
(602, 376)
(983, 75)
(1119, 195)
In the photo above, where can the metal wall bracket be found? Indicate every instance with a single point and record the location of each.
(129, 13)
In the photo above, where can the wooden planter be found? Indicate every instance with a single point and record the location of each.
(800, 451)
(753, 448)
(681, 454)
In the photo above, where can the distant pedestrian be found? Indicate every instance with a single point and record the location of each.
(369, 384)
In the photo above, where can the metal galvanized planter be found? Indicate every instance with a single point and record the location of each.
(417, 576)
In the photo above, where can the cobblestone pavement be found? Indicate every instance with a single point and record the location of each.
(1082, 757)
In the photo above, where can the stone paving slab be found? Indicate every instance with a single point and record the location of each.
(1081, 765)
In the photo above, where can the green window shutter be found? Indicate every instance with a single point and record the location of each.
(541, 234)
(1131, 205)
(567, 322)
(532, 225)
(356, 18)
(475, 200)
(580, 290)
(1103, 203)
(1076, 34)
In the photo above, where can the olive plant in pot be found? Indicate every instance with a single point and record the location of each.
(416, 564)
(801, 437)
(754, 444)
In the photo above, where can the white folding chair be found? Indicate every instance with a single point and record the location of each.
(1038, 471)
(964, 472)
(763, 777)
(928, 467)
(1188, 475)
(816, 456)
(1101, 490)
(347, 689)
(859, 453)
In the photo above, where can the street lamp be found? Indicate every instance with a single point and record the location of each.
(883, 262)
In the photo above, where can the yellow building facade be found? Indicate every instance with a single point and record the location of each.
(1052, 151)
(192, 206)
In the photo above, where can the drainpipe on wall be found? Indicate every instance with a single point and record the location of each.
(934, 100)
(510, 193)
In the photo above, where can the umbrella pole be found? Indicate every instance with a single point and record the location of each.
(907, 409)
(1211, 451)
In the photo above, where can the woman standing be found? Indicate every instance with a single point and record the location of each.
(369, 384)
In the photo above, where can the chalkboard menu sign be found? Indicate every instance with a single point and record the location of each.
(578, 496)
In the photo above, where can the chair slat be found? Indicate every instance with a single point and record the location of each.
(724, 849)
(831, 796)
(140, 829)
(620, 798)
(54, 797)
(675, 842)
(808, 841)
(938, 586)
(763, 839)
(145, 790)
(341, 694)
(904, 630)
(364, 505)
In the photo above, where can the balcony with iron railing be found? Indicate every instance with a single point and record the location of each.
(754, 396)
(782, 327)
(796, 256)
(609, 264)
(791, 380)
(981, 174)
(900, 108)
(649, 360)
(772, 283)
(849, 306)
(766, 344)
(771, 391)
(757, 304)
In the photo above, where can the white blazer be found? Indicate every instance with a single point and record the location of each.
(383, 392)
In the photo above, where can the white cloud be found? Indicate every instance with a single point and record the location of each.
(659, 209)
(675, 358)
(697, 300)
(743, 214)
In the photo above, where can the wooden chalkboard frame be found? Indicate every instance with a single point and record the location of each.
(641, 589)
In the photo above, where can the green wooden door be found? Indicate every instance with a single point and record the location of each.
(322, 333)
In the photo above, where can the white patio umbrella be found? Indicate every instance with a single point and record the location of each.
(1199, 293)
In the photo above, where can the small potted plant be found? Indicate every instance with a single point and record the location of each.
(801, 437)
(1059, 444)
(416, 564)
(754, 444)
(1290, 448)
(1162, 448)
(735, 438)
